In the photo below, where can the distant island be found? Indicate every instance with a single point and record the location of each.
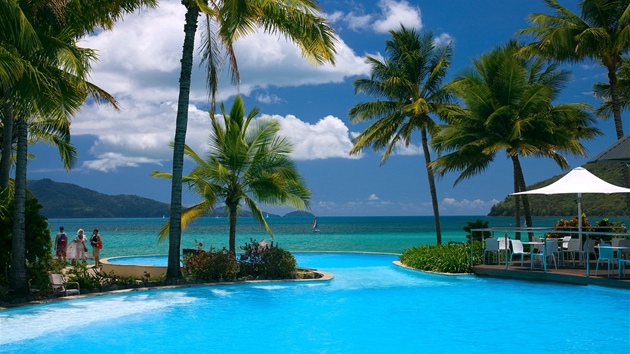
(66, 200)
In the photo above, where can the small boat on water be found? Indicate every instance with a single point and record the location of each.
(315, 228)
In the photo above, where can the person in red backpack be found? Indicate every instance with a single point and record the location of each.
(61, 245)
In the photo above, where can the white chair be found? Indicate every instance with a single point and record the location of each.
(624, 253)
(536, 248)
(565, 242)
(550, 250)
(492, 246)
(572, 249)
(503, 246)
(606, 253)
(58, 284)
(517, 249)
(589, 248)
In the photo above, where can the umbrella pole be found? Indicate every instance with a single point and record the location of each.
(586, 255)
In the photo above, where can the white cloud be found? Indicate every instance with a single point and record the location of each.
(139, 65)
(396, 13)
(357, 22)
(373, 197)
(268, 98)
(467, 205)
(443, 39)
(328, 138)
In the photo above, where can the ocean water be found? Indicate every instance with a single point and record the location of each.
(139, 236)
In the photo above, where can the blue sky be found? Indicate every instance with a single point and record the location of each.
(139, 65)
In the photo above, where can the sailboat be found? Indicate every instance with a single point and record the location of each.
(315, 229)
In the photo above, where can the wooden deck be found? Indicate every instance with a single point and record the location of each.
(566, 274)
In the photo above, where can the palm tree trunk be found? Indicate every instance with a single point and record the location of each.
(7, 141)
(433, 190)
(175, 231)
(232, 214)
(524, 198)
(19, 278)
(517, 198)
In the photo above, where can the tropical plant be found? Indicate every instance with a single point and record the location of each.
(267, 260)
(477, 224)
(47, 87)
(247, 161)
(449, 258)
(38, 246)
(603, 91)
(211, 265)
(409, 88)
(509, 107)
(601, 33)
(297, 20)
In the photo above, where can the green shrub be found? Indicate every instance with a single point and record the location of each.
(211, 266)
(38, 246)
(266, 260)
(84, 276)
(450, 258)
(477, 224)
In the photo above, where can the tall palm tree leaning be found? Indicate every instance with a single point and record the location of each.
(509, 107)
(297, 20)
(601, 33)
(47, 90)
(409, 88)
(248, 161)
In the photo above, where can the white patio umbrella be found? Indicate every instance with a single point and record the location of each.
(578, 181)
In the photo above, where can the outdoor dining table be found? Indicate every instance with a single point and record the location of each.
(531, 260)
(619, 250)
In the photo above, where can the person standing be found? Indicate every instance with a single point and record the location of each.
(81, 248)
(61, 245)
(97, 243)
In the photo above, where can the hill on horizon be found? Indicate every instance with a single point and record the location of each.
(66, 200)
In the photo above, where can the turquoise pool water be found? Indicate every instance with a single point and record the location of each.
(371, 306)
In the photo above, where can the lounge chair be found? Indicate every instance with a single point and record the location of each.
(59, 285)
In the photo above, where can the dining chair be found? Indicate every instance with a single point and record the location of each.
(517, 249)
(550, 251)
(565, 242)
(572, 249)
(536, 248)
(626, 252)
(606, 253)
(503, 246)
(492, 246)
(589, 248)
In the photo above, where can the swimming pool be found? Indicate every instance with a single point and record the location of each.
(370, 306)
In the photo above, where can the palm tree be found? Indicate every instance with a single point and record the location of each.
(46, 91)
(408, 85)
(602, 91)
(509, 107)
(297, 20)
(248, 161)
(601, 33)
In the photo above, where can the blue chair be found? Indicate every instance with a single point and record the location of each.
(607, 254)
